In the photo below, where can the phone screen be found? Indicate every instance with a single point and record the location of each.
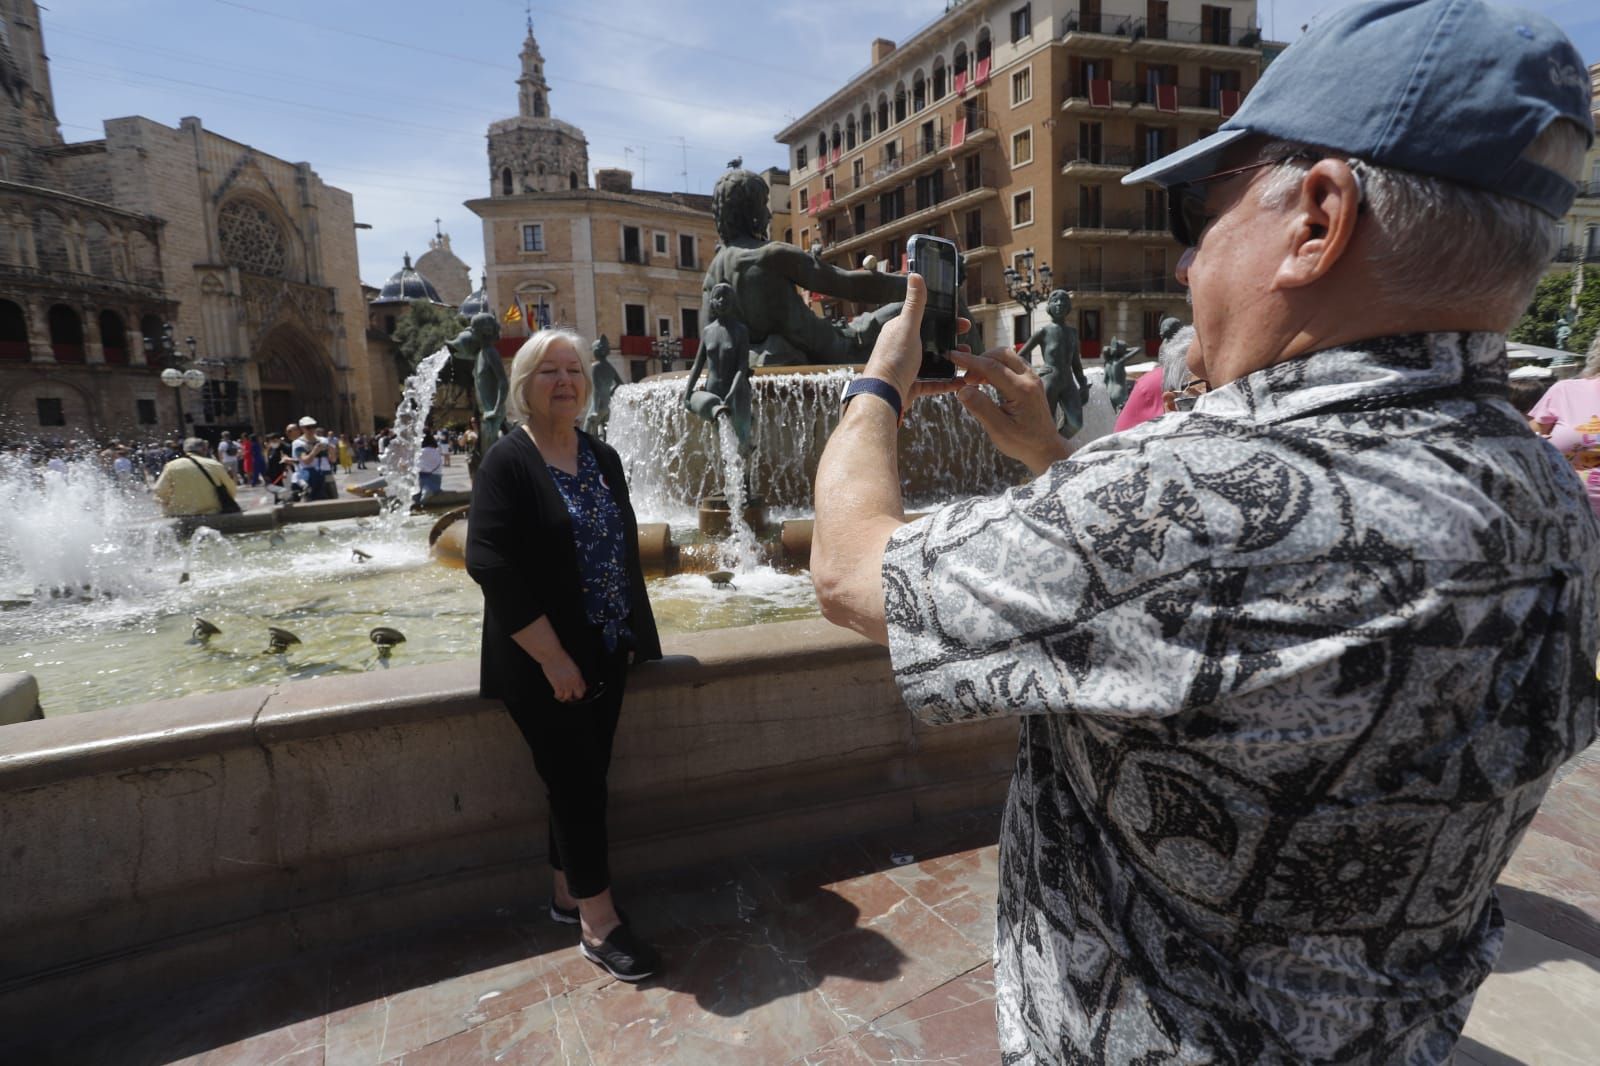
(936, 260)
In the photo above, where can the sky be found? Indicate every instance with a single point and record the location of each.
(391, 100)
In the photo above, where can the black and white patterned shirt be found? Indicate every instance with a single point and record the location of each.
(1294, 671)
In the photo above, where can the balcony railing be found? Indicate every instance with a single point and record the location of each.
(984, 237)
(1576, 253)
(1150, 284)
(1134, 220)
(1135, 28)
(1103, 93)
(1100, 155)
(1589, 190)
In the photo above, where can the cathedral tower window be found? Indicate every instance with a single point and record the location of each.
(505, 181)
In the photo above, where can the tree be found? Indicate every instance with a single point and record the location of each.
(421, 331)
(1550, 301)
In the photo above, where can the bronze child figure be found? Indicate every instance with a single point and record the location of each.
(1066, 387)
(724, 356)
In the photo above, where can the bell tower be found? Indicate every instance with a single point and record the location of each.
(27, 104)
(533, 92)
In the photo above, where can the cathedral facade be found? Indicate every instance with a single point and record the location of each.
(157, 247)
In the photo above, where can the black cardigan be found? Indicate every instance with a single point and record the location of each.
(520, 550)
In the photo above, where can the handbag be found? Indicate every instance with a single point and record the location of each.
(227, 503)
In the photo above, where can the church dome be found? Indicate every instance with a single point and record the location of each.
(478, 301)
(407, 284)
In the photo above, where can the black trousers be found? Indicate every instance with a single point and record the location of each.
(571, 746)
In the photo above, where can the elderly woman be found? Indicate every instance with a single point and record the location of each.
(1568, 415)
(553, 542)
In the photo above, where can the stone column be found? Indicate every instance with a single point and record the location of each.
(94, 352)
(135, 343)
(39, 350)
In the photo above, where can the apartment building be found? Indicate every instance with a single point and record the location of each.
(1007, 127)
(1578, 234)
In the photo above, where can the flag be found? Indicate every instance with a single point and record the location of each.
(513, 313)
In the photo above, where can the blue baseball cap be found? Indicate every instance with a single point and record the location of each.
(1454, 89)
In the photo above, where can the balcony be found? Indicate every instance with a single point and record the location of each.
(1576, 253)
(1589, 190)
(1100, 95)
(1109, 222)
(1086, 157)
(979, 244)
(969, 127)
(1123, 286)
(959, 198)
(1157, 36)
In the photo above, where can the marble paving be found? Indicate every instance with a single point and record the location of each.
(872, 949)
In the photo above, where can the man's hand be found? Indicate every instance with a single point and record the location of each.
(1021, 425)
(897, 354)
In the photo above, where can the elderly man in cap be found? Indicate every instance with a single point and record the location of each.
(193, 483)
(315, 457)
(1294, 668)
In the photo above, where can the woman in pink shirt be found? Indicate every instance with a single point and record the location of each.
(1568, 415)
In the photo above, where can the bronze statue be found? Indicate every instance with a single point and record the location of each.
(1116, 364)
(765, 273)
(606, 380)
(490, 385)
(1564, 327)
(1065, 384)
(724, 354)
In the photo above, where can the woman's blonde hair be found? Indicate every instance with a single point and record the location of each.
(526, 363)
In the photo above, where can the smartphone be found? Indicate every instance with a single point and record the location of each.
(936, 260)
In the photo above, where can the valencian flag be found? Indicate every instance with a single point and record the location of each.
(513, 313)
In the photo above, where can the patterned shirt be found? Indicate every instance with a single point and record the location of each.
(1294, 671)
(598, 533)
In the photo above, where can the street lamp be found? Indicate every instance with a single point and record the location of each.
(1026, 287)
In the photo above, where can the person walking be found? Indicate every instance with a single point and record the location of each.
(1294, 668)
(553, 542)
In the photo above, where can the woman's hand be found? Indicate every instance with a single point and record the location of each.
(565, 678)
(1021, 425)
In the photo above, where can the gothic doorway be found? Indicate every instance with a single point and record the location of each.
(297, 378)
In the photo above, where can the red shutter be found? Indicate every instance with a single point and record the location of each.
(1166, 97)
(1100, 92)
(1229, 101)
(982, 75)
(958, 134)
(961, 81)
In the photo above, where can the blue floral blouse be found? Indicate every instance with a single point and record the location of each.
(598, 533)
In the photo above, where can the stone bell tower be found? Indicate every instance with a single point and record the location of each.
(27, 104)
(534, 152)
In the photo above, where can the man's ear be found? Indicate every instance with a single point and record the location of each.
(1322, 217)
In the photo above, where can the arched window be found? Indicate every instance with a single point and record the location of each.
(919, 92)
(959, 67)
(572, 179)
(505, 181)
(849, 132)
(983, 44)
(900, 102)
(251, 239)
(13, 331)
(941, 83)
(113, 337)
(822, 148)
(866, 122)
(883, 113)
(66, 334)
(834, 141)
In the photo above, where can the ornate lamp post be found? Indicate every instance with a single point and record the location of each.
(177, 379)
(1026, 287)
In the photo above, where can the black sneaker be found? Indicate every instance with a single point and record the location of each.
(623, 955)
(562, 914)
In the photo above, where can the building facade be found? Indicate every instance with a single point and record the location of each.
(610, 259)
(104, 244)
(1007, 127)
(1578, 234)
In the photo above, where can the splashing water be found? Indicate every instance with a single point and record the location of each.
(670, 454)
(80, 534)
(399, 463)
(740, 551)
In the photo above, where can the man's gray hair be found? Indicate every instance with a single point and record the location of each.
(1443, 244)
(1174, 360)
(196, 446)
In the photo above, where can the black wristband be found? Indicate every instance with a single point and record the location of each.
(873, 387)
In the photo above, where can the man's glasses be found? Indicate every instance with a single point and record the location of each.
(1187, 216)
